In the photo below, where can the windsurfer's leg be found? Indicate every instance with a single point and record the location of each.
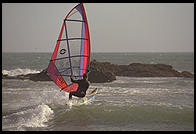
(77, 94)
(74, 94)
(70, 96)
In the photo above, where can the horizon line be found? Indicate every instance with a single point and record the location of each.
(106, 52)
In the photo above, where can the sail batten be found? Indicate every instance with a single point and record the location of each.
(74, 20)
(73, 39)
(71, 55)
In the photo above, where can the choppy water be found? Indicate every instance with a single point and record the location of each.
(129, 103)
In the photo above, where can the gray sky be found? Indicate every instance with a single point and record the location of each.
(114, 27)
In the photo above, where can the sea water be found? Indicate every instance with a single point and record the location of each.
(126, 104)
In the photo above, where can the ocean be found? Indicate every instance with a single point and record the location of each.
(126, 104)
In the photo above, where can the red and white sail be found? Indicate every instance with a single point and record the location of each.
(71, 55)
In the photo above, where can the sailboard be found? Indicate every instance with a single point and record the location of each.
(71, 55)
(89, 97)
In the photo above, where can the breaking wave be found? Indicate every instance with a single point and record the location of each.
(19, 71)
(33, 117)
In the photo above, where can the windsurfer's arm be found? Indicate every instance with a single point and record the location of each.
(72, 80)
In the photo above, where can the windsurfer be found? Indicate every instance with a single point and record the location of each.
(83, 86)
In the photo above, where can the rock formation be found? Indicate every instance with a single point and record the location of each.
(106, 72)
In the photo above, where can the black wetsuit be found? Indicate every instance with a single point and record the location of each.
(81, 91)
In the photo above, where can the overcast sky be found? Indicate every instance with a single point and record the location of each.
(114, 27)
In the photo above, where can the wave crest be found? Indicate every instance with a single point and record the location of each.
(34, 117)
(19, 71)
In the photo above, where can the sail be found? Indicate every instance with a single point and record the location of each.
(71, 55)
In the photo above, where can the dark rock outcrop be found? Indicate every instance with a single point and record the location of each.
(140, 70)
(107, 72)
(42, 76)
(100, 73)
(148, 70)
(187, 74)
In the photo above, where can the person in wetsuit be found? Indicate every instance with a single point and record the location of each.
(83, 86)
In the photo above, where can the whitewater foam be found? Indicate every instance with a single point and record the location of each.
(19, 71)
(34, 117)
